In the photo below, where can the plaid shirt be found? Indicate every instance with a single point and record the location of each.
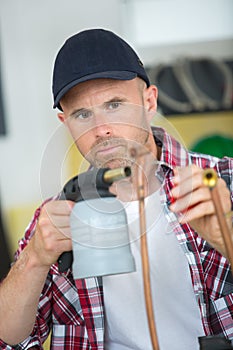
(74, 310)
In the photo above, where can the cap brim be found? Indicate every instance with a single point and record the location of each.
(120, 75)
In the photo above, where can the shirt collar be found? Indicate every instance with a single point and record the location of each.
(173, 154)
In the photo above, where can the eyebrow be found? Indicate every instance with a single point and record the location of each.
(113, 99)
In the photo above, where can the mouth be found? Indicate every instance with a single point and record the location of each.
(108, 150)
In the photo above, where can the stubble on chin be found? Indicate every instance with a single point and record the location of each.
(112, 163)
(121, 157)
(116, 159)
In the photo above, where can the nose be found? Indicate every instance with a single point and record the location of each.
(102, 127)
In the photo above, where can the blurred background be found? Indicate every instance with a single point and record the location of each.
(186, 46)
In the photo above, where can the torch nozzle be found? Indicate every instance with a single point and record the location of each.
(112, 175)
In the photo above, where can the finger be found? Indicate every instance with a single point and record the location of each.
(187, 180)
(54, 221)
(54, 226)
(48, 229)
(56, 213)
(224, 194)
(66, 233)
(58, 207)
(197, 212)
(191, 199)
(59, 221)
(181, 174)
(187, 185)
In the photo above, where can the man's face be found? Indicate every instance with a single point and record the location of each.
(108, 118)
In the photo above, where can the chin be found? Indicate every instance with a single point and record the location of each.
(114, 163)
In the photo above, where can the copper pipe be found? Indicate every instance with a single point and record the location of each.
(144, 255)
(210, 179)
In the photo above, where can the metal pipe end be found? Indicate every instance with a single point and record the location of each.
(112, 175)
(210, 178)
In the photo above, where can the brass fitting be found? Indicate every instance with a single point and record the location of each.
(112, 175)
(210, 178)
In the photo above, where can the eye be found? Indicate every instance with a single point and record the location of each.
(82, 114)
(113, 105)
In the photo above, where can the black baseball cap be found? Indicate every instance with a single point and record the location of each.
(93, 54)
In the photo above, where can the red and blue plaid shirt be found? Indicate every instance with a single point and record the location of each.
(74, 310)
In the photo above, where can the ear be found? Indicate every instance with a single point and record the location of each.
(150, 101)
(61, 117)
(150, 98)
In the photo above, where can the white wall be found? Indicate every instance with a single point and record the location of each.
(30, 34)
(166, 29)
(178, 21)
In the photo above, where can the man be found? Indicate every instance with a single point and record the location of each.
(106, 101)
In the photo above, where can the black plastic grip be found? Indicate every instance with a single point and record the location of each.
(65, 261)
(214, 342)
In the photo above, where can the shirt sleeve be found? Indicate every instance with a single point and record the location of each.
(30, 342)
(43, 319)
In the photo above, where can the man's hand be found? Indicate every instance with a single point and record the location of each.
(52, 236)
(194, 205)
